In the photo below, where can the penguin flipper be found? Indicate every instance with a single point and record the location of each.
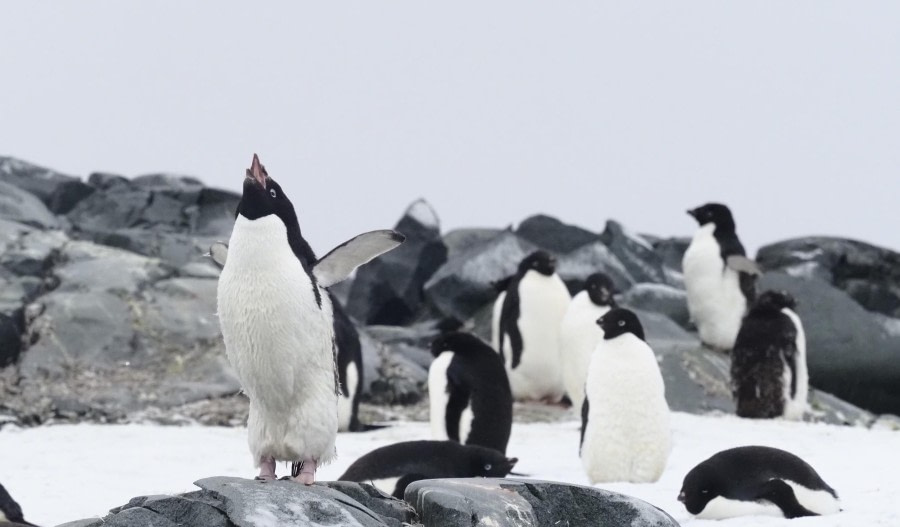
(782, 495)
(456, 404)
(218, 251)
(742, 264)
(343, 259)
(585, 409)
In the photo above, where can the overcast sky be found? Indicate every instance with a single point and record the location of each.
(789, 112)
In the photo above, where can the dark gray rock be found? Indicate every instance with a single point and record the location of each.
(23, 207)
(576, 266)
(636, 254)
(671, 250)
(521, 503)
(554, 236)
(400, 380)
(388, 290)
(185, 511)
(393, 512)
(67, 195)
(659, 298)
(88, 522)
(138, 517)
(39, 181)
(11, 328)
(459, 240)
(849, 353)
(465, 283)
(869, 274)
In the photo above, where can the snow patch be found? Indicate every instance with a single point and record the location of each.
(422, 212)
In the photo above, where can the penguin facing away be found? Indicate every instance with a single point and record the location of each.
(10, 511)
(349, 355)
(391, 468)
(756, 480)
(625, 431)
(768, 363)
(527, 333)
(579, 333)
(471, 401)
(278, 326)
(719, 279)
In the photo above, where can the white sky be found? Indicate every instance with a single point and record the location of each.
(788, 112)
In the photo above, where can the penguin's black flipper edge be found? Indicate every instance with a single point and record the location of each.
(343, 259)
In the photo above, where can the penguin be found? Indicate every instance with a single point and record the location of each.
(10, 511)
(719, 278)
(349, 355)
(471, 401)
(579, 333)
(526, 329)
(277, 322)
(391, 468)
(768, 363)
(625, 430)
(756, 480)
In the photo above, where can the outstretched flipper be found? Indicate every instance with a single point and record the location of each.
(343, 259)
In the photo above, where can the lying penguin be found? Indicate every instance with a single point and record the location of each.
(756, 480)
(391, 468)
(278, 325)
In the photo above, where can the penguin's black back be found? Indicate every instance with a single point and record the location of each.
(509, 321)
(431, 459)
(346, 338)
(766, 339)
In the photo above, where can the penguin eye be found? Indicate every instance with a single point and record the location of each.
(488, 466)
(621, 323)
(704, 491)
(272, 192)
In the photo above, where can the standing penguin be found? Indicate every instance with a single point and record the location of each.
(625, 432)
(756, 480)
(527, 333)
(471, 401)
(768, 362)
(579, 333)
(719, 278)
(277, 322)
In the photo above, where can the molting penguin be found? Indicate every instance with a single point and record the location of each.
(527, 332)
(391, 468)
(768, 363)
(756, 480)
(471, 401)
(579, 333)
(277, 322)
(719, 278)
(625, 432)
(10, 511)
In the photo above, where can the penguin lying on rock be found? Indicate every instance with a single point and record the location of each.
(278, 325)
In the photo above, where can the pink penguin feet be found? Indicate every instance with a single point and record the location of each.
(266, 469)
(305, 471)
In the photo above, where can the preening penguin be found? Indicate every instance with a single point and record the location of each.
(756, 480)
(471, 401)
(527, 333)
(768, 363)
(579, 333)
(719, 278)
(391, 468)
(278, 325)
(625, 431)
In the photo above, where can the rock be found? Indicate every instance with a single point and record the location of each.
(388, 290)
(520, 503)
(635, 253)
(659, 298)
(869, 274)
(849, 353)
(138, 517)
(11, 328)
(184, 511)
(38, 181)
(89, 522)
(576, 266)
(23, 207)
(399, 381)
(671, 250)
(459, 240)
(392, 511)
(554, 236)
(67, 195)
(464, 284)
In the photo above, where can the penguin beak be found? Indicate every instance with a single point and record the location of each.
(257, 172)
(681, 496)
(692, 213)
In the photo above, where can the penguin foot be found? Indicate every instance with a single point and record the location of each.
(266, 469)
(305, 472)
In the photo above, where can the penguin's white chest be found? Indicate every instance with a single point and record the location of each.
(714, 295)
(795, 403)
(579, 335)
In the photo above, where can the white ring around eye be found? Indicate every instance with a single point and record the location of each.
(272, 192)
(621, 322)
(487, 467)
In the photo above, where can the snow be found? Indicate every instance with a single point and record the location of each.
(67, 472)
(422, 212)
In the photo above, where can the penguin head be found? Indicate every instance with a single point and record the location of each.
(700, 486)
(774, 301)
(454, 341)
(600, 289)
(10, 511)
(714, 213)
(262, 196)
(540, 261)
(490, 463)
(618, 322)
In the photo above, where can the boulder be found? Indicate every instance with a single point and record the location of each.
(459, 240)
(849, 352)
(465, 283)
(554, 236)
(636, 254)
(388, 290)
(659, 298)
(36, 180)
(574, 267)
(521, 503)
(23, 207)
(671, 250)
(869, 274)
